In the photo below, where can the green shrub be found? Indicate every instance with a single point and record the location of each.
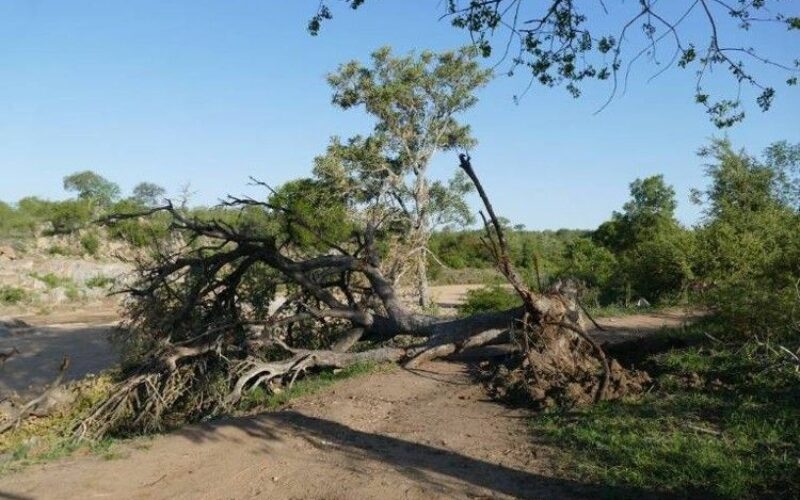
(72, 292)
(12, 295)
(100, 281)
(52, 280)
(15, 222)
(90, 243)
(68, 216)
(138, 232)
(59, 250)
(749, 245)
(493, 298)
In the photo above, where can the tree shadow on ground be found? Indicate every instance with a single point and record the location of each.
(41, 349)
(443, 470)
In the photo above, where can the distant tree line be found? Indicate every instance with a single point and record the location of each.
(95, 197)
(742, 259)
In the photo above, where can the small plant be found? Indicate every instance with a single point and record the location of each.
(59, 250)
(72, 292)
(12, 295)
(100, 281)
(90, 243)
(52, 280)
(491, 298)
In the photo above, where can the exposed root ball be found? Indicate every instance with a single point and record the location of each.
(560, 369)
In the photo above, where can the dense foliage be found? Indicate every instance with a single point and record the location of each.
(748, 249)
(721, 422)
(742, 260)
(564, 43)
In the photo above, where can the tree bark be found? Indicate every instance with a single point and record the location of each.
(423, 287)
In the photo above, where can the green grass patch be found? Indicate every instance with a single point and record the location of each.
(49, 438)
(52, 280)
(723, 420)
(100, 281)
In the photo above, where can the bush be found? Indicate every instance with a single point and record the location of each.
(12, 295)
(68, 216)
(100, 281)
(749, 246)
(493, 298)
(90, 243)
(59, 250)
(138, 232)
(14, 222)
(72, 293)
(52, 280)
(468, 275)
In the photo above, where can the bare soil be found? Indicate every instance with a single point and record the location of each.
(429, 433)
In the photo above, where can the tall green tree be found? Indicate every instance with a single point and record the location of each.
(653, 250)
(749, 243)
(90, 186)
(149, 194)
(415, 101)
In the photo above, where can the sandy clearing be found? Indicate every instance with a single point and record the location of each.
(403, 434)
(428, 433)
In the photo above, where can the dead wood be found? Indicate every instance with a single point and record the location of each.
(202, 341)
(28, 408)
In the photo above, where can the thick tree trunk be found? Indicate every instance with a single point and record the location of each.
(421, 236)
(423, 288)
(554, 359)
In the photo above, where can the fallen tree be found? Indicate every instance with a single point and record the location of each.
(201, 333)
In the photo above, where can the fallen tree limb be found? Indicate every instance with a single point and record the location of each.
(28, 408)
(201, 321)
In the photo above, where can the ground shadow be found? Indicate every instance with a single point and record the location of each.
(12, 496)
(41, 350)
(440, 468)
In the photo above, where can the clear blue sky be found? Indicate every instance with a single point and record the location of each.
(211, 92)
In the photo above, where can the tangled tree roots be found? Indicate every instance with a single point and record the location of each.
(208, 341)
(559, 369)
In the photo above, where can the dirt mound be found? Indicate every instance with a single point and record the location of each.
(559, 369)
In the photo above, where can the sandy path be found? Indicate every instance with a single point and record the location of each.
(424, 434)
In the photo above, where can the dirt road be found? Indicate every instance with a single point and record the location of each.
(429, 433)
(422, 434)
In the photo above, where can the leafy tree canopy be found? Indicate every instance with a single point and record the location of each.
(92, 187)
(149, 194)
(415, 100)
(567, 43)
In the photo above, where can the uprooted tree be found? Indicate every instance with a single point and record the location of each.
(202, 333)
